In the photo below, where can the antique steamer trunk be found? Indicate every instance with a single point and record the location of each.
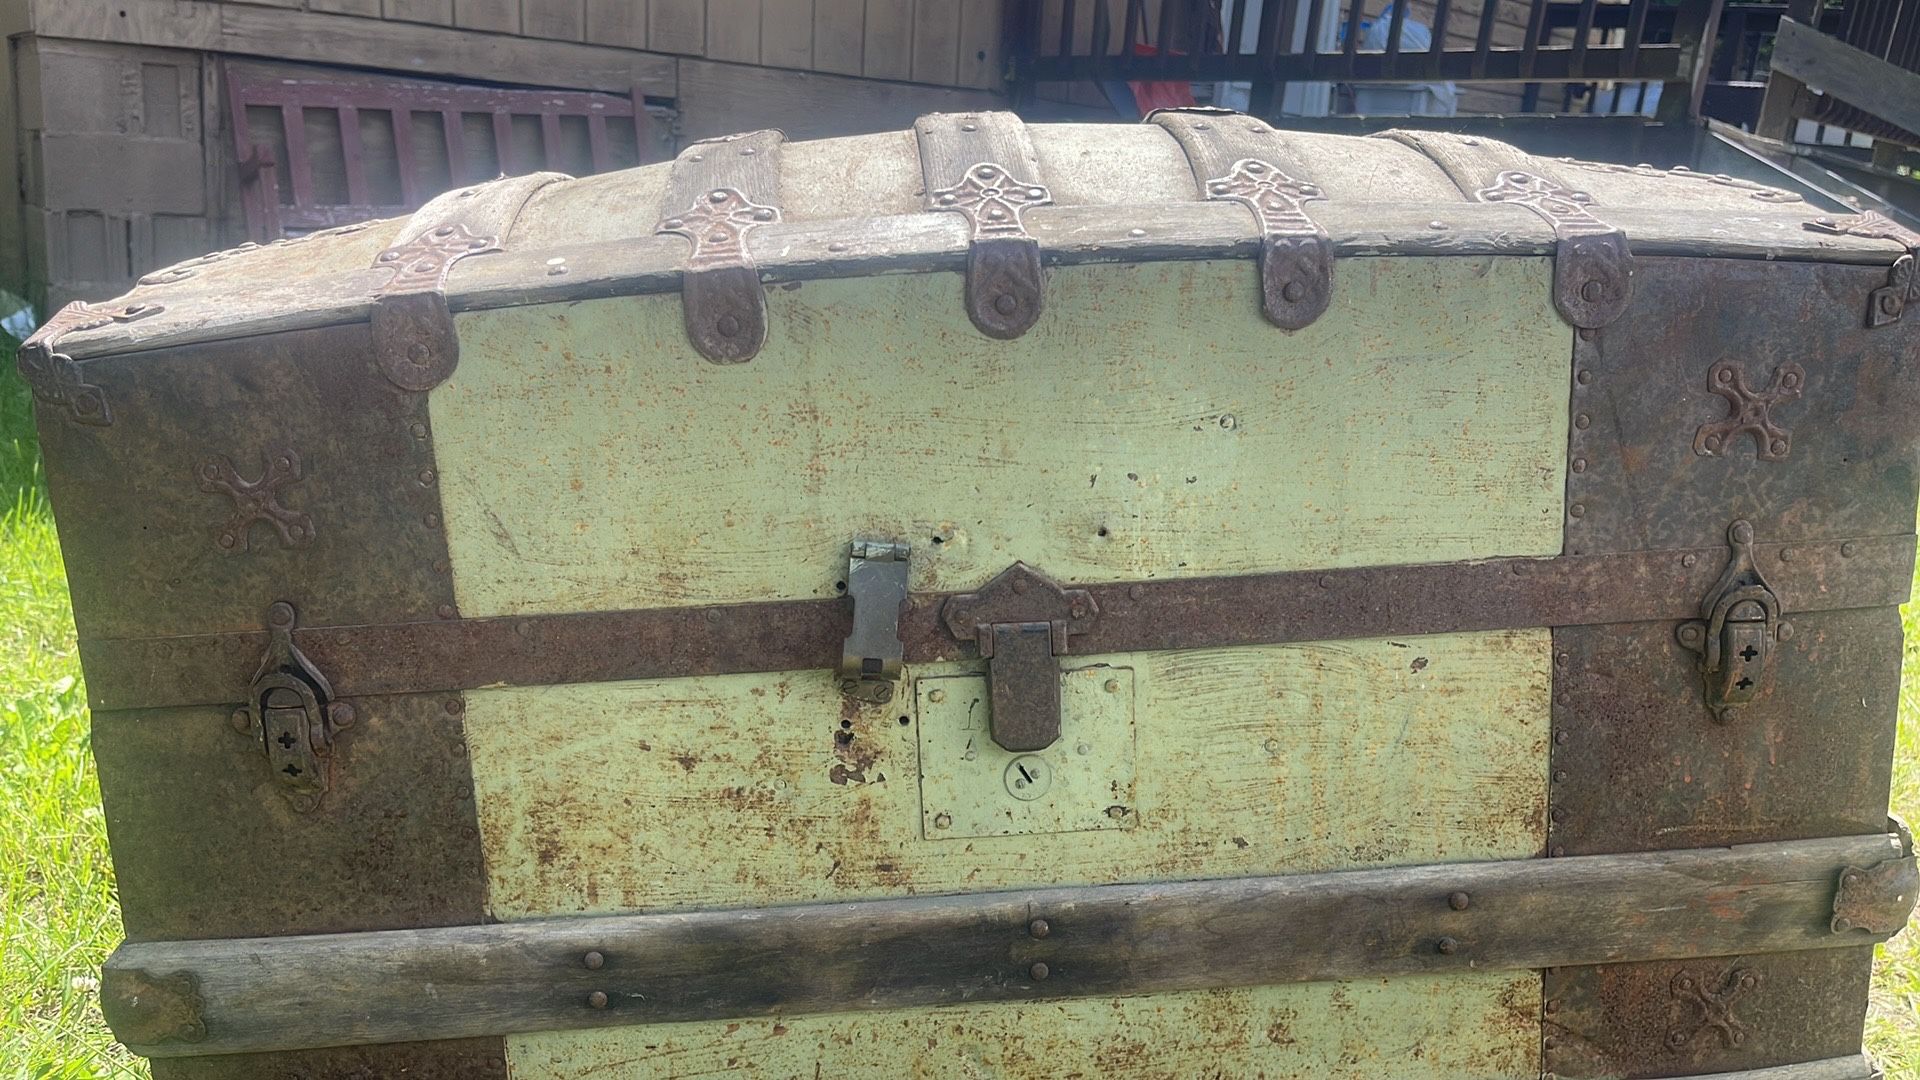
(1176, 600)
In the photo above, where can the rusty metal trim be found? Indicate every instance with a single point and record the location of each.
(1886, 304)
(1878, 899)
(719, 191)
(155, 1010)
(1098, 941)
(57, 379)
(1190, 613)
(1241, 159)
(414, 340)
(982, 167)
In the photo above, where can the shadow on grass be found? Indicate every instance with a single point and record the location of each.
(22, 483)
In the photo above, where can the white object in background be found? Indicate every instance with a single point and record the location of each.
(1298, 99)
(1401, 99)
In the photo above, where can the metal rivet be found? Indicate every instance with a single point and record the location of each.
(1557, 814)
(1292, 291)
(717, 195)
(1579, 464)
(1560, 775)
(1786, 554)
(1592, 291)
(1846, 550)
(1113, 686)
(1039, 928)
(1553, 1006)
(1039, 972)
(1436, 225)
(1020, 585)
(942, 820)
(1083, 749)
(1561, 659)
(1561, 737)
(227, 540)
(419, 431)
(1584, 377)
(597, 999)
(1448, 946)
(1229, 421)
(1785, 632)
(1326, 581)
(1588, 333)
(1135, 592)
(1558, 852)
(445, 611)
(1006, 304)
(1459, 901)
(1581, 421)
(1778, 446)
(454, 706)
(594, 961)
(1272, 746)
(1577, 510)
(727, 325)
(1689, 560)
(937, 696)
(970, 127)
(1136, 232)
(433, 521)
(426, 476)
(836, 246)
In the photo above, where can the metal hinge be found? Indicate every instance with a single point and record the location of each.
(1739, 629)
(291, 712)
(1021, 621)
(870, 661)
(1890, 301)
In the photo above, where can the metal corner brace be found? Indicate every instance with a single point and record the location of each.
(1021, 621)
(55, 378)
(414, 340)
(1592, 265)
(290, 711)
(870, 660)
(982, 167)
(1890, 301)
(719, 191)
(1738, 631)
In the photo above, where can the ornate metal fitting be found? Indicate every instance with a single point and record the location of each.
(1711, 1000)
(1593, 267)
(1296, 256)
(1740, 626)
(1005, 287)
(1751, 411)
(55, 378)
(725, 308)
(145, 1009)
(291, 712)
(1021, 621)
(414, 339)
(1886, 304)
(870, 661)
(257, 500)
(1878, 899)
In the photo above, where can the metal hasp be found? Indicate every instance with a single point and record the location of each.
(1902, 289)
(290, 711)
(1021, 621)
(870, 661)
(1739, 626)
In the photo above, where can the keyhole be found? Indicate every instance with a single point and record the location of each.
(1744, 683)
(286, 740)
(291, 770)
(1749, 653)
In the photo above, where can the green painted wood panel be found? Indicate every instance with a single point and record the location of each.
(737, 790)
(1151, 425)
(1452, 1027)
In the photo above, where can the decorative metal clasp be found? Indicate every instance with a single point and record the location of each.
(1296, 256)
(1740, 627)
(1005, 290)
(1021, 621)
(56, 378)
(413, 335)
(1593, 267)
(1750, 411)
(1887, 303)
(290, 711)
(1880, 898)
(870, 661)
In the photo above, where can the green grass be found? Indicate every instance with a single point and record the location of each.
(58, 915)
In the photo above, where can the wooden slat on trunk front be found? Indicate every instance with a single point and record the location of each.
(290, 993)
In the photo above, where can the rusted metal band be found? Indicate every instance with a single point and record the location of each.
(1593, 266)
(188, 998)
(413, 335)
(1902, 289)
(55, 378)
(982, 167)
(719, 191)
(1240, 159)
(1252, 609)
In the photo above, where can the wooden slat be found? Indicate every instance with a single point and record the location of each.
(351, 153)
(299, 166)
(369, 8)
(403, 156)
(456, 140)
(936, 41)
(677, 26)
(888, 52)
(617, 22)
(839, 31)
(550, 149)
(980, 36)
(401, 985)
(733, 29)
(597, 142)
(437, 12)
(503, 154)
(498, 16)
(1868, 83)
(786, 34)
(561, 20)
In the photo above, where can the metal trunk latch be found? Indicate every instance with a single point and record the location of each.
(290, 711)
(1739, 629)
(1021, 621)
(877, 583)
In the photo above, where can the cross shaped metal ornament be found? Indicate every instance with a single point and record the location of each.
(257, 500)
(1751, 411)
(1296, 257)
(718, 224)
(992, 200)
(1709, 1001)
